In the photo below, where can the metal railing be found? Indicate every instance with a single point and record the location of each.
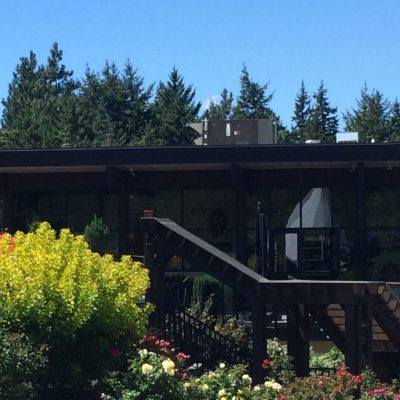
(204, 345)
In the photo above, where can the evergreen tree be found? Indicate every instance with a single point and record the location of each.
(394, 122)
(34, 113)
(301, 115)
(371, 118)
(323, 121)
(174, 108)
(253, 101)
(114, 107)
(222, 109)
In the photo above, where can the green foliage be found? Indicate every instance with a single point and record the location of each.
(323, 121)
(80, 303)
(173, 109)
(333, 358)
(154, 373)
(205, 287)
(253, 101)
(96, 234)
(371, 118)
(279, 364)
(114, 107)
(301, 115)
(21, 366)
(222, 109)
(36, 109)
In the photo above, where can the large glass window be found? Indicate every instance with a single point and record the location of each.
(383, 208)
(285, 208)
(344, 207)
(210, 214)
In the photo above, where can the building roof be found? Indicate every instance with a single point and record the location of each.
(201, 157)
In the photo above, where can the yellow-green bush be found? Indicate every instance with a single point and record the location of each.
(62, 293)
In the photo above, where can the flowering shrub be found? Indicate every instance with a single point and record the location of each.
(80, 303)
(21, 365)
(155, 373)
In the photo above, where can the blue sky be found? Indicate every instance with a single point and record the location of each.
(284, 41)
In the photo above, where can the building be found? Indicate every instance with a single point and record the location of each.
(329, 209)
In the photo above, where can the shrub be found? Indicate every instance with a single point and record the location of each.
(80, 303)
(96, 234)
(154, 373)
(205, 287)
(21, 366)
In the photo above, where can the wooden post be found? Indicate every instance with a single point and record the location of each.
(361, 202)
(240, 212)
(298, 324)
(367, 336)
(353, 341)
(259, 334)
(123, 221)
(156, 292)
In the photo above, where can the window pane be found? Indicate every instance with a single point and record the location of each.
(81, 209)
(316, 208)
(285, 208)
(383, 208)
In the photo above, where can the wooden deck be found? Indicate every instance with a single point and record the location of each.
(361, 317)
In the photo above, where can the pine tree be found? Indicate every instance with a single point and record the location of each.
(34, 113)
(371, 118)
(222, 109)
(394, 122)
(301, 115)
(174, 108)
(253, 102)
(114, 107)
(323, 121)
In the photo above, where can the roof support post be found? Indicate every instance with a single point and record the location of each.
(237, 180)
(298, 327)
(361, 202)
(123, 221)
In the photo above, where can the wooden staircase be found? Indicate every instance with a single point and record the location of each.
(361, 318)
(384, 328)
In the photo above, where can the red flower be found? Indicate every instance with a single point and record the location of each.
(379, 390)
(357, 379)
(370, 393)
(163, 344)
(341, 371)
(184, 375)
(182, 356)
(282, 397)
(265, 363)
(113, 353)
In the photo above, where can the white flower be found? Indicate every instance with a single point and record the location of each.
(221, 392)
(222, 365)
(143, 353)
(246, 378)
(205, 387)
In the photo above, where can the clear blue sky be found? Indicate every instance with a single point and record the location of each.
(343, 42)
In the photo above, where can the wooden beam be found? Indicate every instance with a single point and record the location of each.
(259, 335)
(353, 351)
(298, 327)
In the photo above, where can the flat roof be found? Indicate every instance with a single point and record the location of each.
(201, 157)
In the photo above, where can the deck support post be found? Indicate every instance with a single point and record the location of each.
(156, 292)
(298, 324)
(353, 337)
(358, 342)
(259, 335)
